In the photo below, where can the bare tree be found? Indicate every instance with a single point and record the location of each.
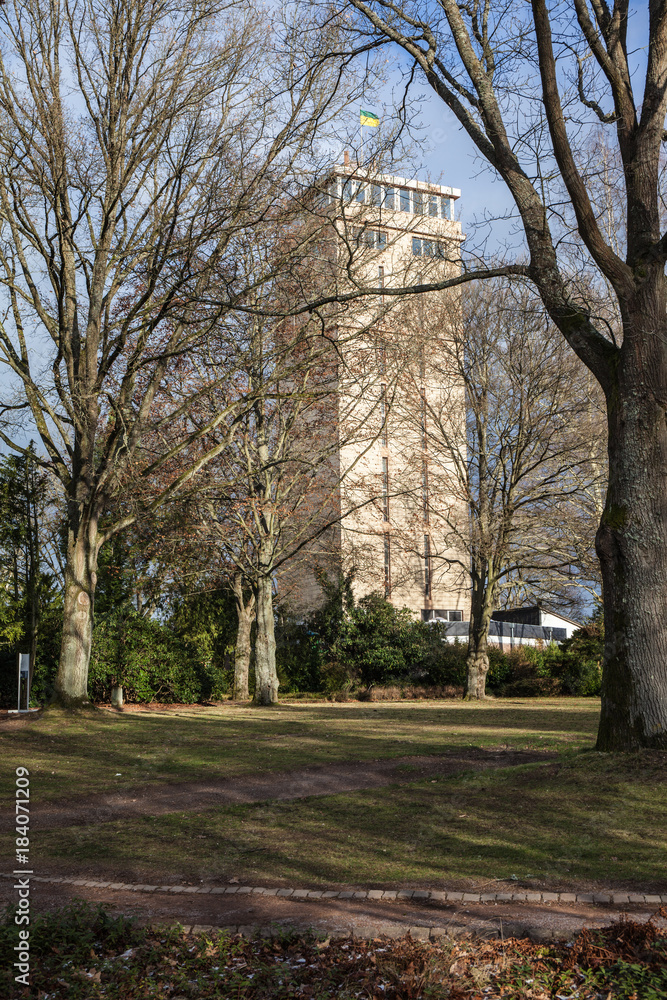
(275, 490)
(138, 143)
(500, 441)
(529, 102)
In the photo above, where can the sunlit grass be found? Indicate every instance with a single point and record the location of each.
(74, 756)
(588, 819)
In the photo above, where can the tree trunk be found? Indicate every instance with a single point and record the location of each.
(481, 609)
(245, 612)
(266, 678)
(71, 686)
(632, 546)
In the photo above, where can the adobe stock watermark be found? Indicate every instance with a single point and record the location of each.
(22, 885)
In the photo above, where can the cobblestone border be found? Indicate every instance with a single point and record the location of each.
(390, 895)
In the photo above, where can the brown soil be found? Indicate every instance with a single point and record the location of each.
(330, 779)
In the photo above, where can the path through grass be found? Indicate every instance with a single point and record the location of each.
(590, 820)
(75, 756)
(585, 818)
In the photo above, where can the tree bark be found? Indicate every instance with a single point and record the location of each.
(245, 611)
(477, 659)
(632, 546)
(71, 685)
(266, 678)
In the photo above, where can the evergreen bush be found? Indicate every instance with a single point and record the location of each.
(149, 660)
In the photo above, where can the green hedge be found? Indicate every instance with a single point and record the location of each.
(150, 661)
(346, 646)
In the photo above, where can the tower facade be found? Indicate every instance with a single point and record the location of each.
(391, 233)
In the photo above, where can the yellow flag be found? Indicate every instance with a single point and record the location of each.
(368, 118)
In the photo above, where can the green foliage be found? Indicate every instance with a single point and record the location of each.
(581, 663)
(343, 644)
(378, 642)
(150, 660)
(574, 667)
(298, 655)
(27, 591)
(77, 936)
(207, 620)
(115, 577)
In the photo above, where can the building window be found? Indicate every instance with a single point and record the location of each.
(427, 248)
(389, 200)
(433, 206)
(376, 195)
(423, 402)
(369, 238)
(385, 489)
(361, 193)
(405, 200)
(383, 412)
(431, 614)
(427, 566)
(418, 199)
(387, 565)
(425, 490)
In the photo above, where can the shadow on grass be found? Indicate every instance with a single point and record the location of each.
(594, 820)
(96, 753)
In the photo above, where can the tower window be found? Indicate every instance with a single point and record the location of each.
(427, 566)
(387, 565)
(423, 401)
(425, 490)
(385, 488)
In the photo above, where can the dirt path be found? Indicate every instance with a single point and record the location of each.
(366, 918)
(330, 779)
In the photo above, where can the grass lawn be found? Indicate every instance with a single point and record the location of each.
(588, 820)
(584, 819)
(74, 756)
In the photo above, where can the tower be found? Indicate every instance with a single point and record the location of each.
(391, 233)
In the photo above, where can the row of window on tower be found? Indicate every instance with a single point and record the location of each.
(435, 206)
(377, 240)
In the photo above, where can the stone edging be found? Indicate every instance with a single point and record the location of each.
(390, 895)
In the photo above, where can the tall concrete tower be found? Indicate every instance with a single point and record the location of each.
(391, 233)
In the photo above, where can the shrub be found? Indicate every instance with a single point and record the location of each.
(378, 642)
(581, 660)
(149, 660)
(298, 656)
